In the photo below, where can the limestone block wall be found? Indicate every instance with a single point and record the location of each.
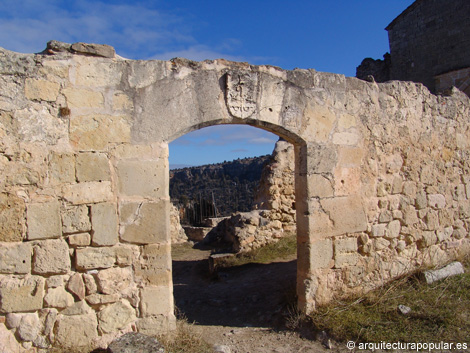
(84, 213)
(414, 178)
(381, 182)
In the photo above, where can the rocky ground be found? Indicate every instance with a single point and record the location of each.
(244, 309)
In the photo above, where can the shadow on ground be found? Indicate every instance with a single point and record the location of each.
(257, 295)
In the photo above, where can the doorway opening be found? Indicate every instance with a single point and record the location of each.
(235, 264)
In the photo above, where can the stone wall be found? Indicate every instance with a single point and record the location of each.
(276, 191)
(177, 232)
(458, 78)
(430, 38)
(381, 182)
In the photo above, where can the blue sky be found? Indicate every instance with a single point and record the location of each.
(326, 35)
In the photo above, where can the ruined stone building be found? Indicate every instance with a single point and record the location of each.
(430, 44)
(381, 175)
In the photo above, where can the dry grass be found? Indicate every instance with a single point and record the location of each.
(186, 339)
(439, 312)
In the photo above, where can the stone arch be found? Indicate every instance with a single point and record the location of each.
(303, 254)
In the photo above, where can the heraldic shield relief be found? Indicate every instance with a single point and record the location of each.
(240, 94)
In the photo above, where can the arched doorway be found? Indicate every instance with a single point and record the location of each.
(287, 269)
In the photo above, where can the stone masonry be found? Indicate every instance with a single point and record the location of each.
(382, 182)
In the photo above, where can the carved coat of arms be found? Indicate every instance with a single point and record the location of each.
(241, 93)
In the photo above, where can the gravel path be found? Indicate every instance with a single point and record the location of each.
(244, 308)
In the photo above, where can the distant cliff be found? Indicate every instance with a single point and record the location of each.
(230, 186)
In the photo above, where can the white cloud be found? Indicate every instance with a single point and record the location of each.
(135, 30)
(263, 140)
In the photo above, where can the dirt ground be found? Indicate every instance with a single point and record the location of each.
(245, 308)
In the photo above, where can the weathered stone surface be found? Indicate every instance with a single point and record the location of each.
(135, 342)
(44, 220)
(320, 186)
(15, 258)
(113, 280)
(154, 265)
(95, 74)
(90, 284)
(80, 239)
(116, 316)
(76, 332)
(13, 320)
(142, 178)
(393, 229)
(76, 286)
(12, 209)
(145, 222)
(55, 281)
(75, 219)
(37, 124)
(436, 201)
(77, 308)
(155, 301)
(93, 167)
(155, 324)
(102, 50)
(105, 224)
(83, 98)
(94, 258)
(89, 192)
(21, 295)
(452, 269)
(61, 168)
(351, 222)
(95, 299)
(58, 298)
(125, 254)
(346, 259)
(51, 257)
(29, 327)
(8, 342)
(321, 253)
(41, 90)
(177, 232)
(94, 132)
(378, 230)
